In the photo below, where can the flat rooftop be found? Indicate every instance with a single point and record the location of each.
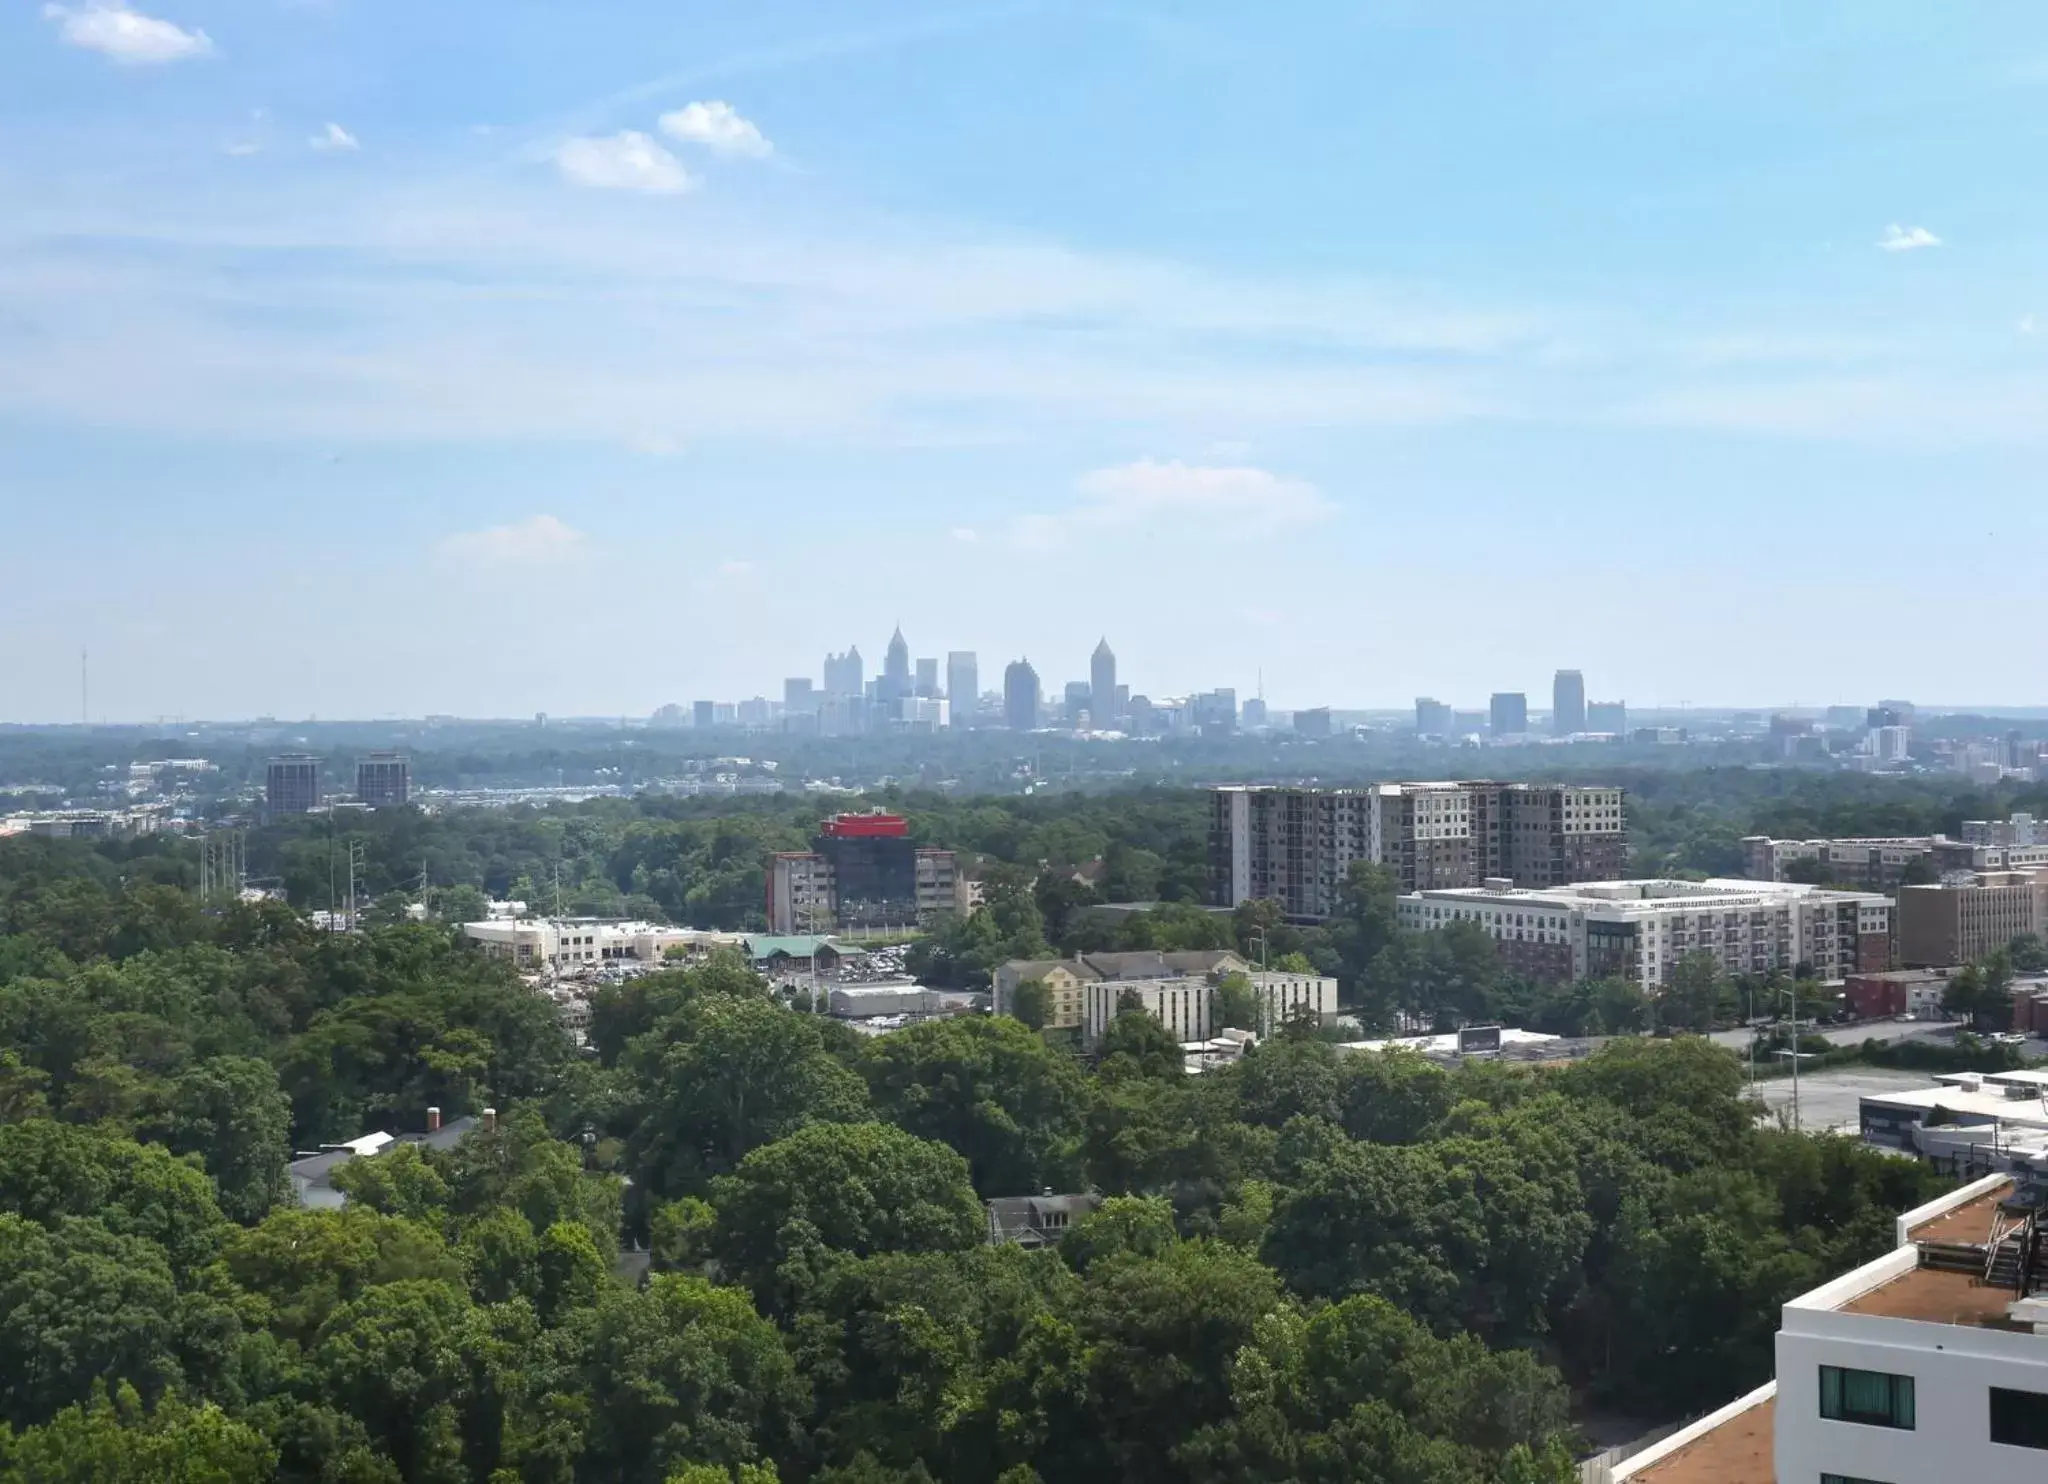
(1936, 1296)
(1970, 1222)
(1736, 1452)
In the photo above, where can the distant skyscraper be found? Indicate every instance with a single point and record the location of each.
(703, 714)
(963, 687)
(1255, 712)
(1102, 687)
(1510, 715)
(1314, 722)
(1607, 716)
(1077, 700)
(1568, 703)
(291, 783)
(845, 674)
(927, 679)
(798, 698)
(384, 780)
(896, 663)
(1432, 717)
(1020, 696)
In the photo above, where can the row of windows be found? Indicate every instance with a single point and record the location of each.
(2018, 1419)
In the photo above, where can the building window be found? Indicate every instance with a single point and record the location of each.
(1873, 1398)
(2019, 1419)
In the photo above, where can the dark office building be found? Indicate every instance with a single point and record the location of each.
(1510, 713)
(384, 780)
(874, 867)
(1020, 696)
(703, 714)
(291, 784)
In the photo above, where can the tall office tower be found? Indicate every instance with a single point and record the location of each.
(703, 714)
(1607, 716)
(1075, 699)
(798, 697)
(1314, 722)
(291, 783)
(1255, 712)
(1568, 703)
(1432, 718)
(927, 680)
(963, 687)
(1102, 707)
(1510, 714)
(384, 780)
(896, 667)
(1140, 720)
(1297, 845)
(1020, 696)
(845, 675)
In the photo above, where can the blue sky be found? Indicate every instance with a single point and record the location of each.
(366, 358)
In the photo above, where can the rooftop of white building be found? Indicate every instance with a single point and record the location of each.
(1648, 896)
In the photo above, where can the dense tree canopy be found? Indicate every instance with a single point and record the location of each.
(1310, 1266)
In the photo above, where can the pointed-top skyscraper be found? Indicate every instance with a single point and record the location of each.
(1102, 707)
(896, 661)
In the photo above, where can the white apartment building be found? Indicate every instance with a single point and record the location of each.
(1282, 996)
(1640, 930)
(533, 944)
(1916, 1368)
(1181, 1004)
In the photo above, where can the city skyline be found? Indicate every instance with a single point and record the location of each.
(328, 344)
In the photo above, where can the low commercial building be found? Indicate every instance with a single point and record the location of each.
(1916, 993)
(1928, 1363)
(557, 943)
(866, 1001)
(1965, 918)
(89, 824)
(1641, 930)
(1884, 861)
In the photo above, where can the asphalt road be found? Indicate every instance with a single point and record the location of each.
(1828, 1100)
(1855, 1035)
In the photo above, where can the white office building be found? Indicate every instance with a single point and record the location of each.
(1181, 1004)
(1927, 1365)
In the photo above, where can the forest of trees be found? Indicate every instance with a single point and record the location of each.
(1310, 1266)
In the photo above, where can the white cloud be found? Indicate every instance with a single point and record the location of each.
(535, 541)
(241, 147)
(966, 535)
(2026, 324)
(127, 36)
(1907, 239)
(735, 568)
(1173, 498)
(335, 139)
(716, 126)
(626, 161)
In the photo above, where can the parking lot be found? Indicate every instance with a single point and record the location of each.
(1828, 1100)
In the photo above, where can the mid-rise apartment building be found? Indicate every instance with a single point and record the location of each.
(1883, 861)
(1640, 930)
(1965, 918)
(1296, 845)
(1066, 979)
(863, 870)
(1929, 1363)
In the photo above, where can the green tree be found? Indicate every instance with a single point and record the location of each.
(228, 1111)
(1120, 1226)
(1694, 997)
(858, 1188)
(1236, 1005)
(1031, 1002)
(685, 1372)
(397, 1358)
(728, 1076)
(991, 1090)
(116, 1440)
